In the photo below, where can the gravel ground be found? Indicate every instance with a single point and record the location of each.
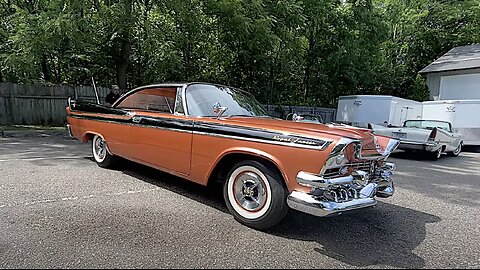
(58, 209)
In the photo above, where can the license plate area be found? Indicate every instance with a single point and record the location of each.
(399, 135)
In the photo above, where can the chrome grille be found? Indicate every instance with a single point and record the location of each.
(366, 166)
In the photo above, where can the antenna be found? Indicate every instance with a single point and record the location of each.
(96, 91)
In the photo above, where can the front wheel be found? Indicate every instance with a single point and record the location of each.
(255, 195)
(101, 154)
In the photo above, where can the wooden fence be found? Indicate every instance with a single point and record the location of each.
(45, 105)
(40, 105)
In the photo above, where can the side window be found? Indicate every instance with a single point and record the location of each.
(156, 99)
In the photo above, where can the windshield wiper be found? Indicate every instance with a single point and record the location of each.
(250, 116)
(241, 115)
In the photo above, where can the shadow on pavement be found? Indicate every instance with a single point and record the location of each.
(471, 149)
(386, 234)
(211, 195)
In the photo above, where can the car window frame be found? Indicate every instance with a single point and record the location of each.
(176, 107)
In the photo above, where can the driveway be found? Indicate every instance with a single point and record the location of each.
(58, 209)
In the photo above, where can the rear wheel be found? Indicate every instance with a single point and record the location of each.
(255, 195)
(101, 154)
(435, 155)
(457, 151)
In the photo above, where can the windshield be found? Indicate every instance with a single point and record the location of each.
(202, 99)
(427, 124)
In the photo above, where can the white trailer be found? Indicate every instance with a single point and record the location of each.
(463, 114)
(358, 110)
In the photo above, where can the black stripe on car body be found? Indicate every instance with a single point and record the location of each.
(215, 129)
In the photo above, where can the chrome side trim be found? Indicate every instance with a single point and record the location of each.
(137, 121)
(128, 93)
(307, 203)
(131, 124)
(323, 147)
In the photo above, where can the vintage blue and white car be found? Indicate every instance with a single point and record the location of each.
(429, 136)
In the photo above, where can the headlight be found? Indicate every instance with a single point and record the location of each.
(338, 158)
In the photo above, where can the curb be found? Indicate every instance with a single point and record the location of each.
(33, 133)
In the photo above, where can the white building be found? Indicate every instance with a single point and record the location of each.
(455, 75)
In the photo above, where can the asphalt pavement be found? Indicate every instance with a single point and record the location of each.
(58, 209)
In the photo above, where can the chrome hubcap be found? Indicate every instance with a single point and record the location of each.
(100, 148)
(250, 192)
(457, 150)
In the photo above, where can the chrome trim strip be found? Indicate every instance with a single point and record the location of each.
(307, 203)
(184, 99)
(146, 87)
(263, 141)
(191, 129)
(131, 124)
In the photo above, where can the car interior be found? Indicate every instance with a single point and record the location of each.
(152, 99)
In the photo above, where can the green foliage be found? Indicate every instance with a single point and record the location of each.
(283, 51)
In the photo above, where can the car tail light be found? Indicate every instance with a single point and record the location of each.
(433, 134)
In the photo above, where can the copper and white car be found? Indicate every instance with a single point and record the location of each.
(429, 136)
(210, 133)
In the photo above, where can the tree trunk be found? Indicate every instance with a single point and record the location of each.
(122, 64)
(46, 72)
(125, 47)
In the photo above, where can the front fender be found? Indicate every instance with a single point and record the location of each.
(252, 152)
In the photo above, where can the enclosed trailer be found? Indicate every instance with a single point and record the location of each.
(463, 114)
(358, 110)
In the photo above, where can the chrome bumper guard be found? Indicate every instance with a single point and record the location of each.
(354, 191)
(69, 131)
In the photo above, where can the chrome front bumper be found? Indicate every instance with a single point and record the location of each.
(309, 204)
(354, 191)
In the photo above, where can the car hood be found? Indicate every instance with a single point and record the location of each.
(313, 130)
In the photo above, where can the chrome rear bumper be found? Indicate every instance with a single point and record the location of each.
(410, 145)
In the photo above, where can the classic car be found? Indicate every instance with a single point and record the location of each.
(209, 133)
(429, 136)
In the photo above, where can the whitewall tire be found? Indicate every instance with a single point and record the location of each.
(255, 194)
(101, 154)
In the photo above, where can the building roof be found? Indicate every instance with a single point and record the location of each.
(458, 58)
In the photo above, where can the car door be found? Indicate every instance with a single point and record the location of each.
(158, 137)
